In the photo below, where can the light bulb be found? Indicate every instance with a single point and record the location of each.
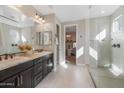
(43, 21)
(40, 18)
(36, 16)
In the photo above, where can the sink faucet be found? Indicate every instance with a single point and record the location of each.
(6, 56)
(11, 56)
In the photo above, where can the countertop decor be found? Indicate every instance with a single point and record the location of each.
(25, 48)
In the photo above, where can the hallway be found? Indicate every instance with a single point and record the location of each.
(68, 76)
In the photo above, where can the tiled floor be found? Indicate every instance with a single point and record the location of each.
(103, 78)
(67, 76)
(71, 59)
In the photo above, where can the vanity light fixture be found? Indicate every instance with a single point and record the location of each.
(40, 18)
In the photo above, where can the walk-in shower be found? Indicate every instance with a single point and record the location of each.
(106, 49)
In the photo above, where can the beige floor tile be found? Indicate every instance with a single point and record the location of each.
(72, 76)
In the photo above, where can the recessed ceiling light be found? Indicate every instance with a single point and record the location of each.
(102, 12)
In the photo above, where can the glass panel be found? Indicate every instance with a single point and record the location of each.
(106, 48)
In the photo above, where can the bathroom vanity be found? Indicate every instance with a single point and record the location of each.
(26, 72)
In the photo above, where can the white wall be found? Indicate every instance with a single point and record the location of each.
(87, 41)
(49, 25)
(89, 29)
(57, 22)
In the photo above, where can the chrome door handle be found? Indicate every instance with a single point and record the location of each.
(114, 45)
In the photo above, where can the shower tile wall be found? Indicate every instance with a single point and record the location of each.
(100, 41)
(117, 21)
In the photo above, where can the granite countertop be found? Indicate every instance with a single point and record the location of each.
(21, 59)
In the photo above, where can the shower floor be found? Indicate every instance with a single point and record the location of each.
(104, 78)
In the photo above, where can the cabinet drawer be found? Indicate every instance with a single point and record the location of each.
(37, 79)
(38, 60)
(9, 83)
(38, 68)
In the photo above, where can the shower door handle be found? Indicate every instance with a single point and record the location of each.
(114, 45)
(118, 45)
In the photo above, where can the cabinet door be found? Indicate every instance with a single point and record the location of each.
(12, 82)
(26, 79)
(45, 67)
(50, 64)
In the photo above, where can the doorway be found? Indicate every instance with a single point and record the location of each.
(70, 43)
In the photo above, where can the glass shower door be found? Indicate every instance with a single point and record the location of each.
(107, 42)
(117, 36)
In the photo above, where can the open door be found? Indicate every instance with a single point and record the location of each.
(70, 41)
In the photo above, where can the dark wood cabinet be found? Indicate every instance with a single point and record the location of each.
(25, 79)
(21, 80)
(42, 68)
(48, 65)
(9, 83)
(28, 74)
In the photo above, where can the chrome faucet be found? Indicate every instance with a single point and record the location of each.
(6, 56)
(11, 56)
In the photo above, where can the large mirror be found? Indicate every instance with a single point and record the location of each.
(15, 30)
(47, 38)
(44, 38)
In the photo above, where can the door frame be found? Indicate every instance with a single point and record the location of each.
(59, 34)
(59, 42)
(68, 25)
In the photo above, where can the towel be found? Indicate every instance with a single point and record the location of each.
(57, 42)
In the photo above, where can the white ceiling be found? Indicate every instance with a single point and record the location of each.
(76, 12)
